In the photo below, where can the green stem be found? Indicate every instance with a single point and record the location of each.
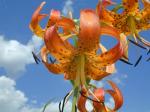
(82, 71)
(76, 86)
(75, 96)
(72, 82)
(75, 41)
(80, 79)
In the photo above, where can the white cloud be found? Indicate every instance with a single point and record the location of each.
(11, 99)
(15, 56)
(67, 7)
(14, 100)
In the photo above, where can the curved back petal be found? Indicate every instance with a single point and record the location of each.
(115, 53)
(116, 94)
(54, 17)
(36, 18)
(56, 45)
(89, 31)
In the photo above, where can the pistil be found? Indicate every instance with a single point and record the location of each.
(132, 26)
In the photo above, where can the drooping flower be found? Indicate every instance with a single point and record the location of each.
(131, 21)
(81, 62)
(98, 99)
(84, 56)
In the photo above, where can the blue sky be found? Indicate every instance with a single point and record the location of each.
(36, 83)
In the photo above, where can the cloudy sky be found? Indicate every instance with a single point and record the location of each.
(25, 86)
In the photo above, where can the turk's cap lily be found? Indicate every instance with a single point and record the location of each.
(66, 54)
(96, 66)
(131, 21)
(98, 99)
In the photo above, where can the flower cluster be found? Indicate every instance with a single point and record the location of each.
(79, 59)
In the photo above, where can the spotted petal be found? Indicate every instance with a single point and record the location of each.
(56, 45)
(105, 15)
(99, 106)
(67, 25)
(131, 6)
(36, 18)
(116, 94)
(145, 19)
(94, 71)
(54, 17)
(115, 53)
(110, 68)
(54, 68)
(89, 31)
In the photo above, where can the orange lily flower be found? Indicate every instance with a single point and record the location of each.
(130, 21)
(81, 62)
(99, 99)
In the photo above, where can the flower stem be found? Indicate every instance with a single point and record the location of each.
(80, 79)
(75, 96)
(82, 71)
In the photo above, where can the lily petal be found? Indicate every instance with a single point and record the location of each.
(96, 73)
(106, 3)
(54, 17)
(144, 22)
(99, 93)
(56, 45)
(67, 25)
(121, 47)
(110, 68)
(54, 68)
(116, 94)
(124, 42)
(99, 107)
(88, 37)
(44, 53)
(82, 102)
(146, 3)
(114, 54)
(100, 66)
(36, 18)
(104, 14)
(130, 6)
